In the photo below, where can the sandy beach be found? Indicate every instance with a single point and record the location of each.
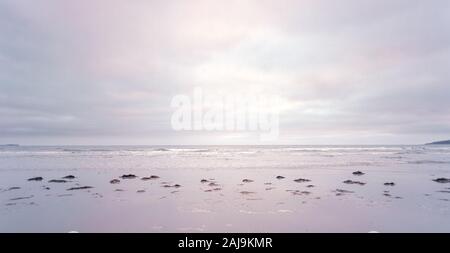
(225, 189)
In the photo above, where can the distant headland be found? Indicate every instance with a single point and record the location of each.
(439, 143)
(9, 145)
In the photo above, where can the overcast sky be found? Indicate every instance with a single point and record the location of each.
(105, 71)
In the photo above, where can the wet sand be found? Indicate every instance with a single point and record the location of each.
(384, 196)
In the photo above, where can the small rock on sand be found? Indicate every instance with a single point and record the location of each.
(204, 181)
(36, 179)
(69, 177)
(280, 177)
(442, 180)
(247, 181)
(389, 184)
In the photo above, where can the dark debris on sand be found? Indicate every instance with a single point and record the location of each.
(171, 186)
(69, 177)
(128, 176)
(64, 195)
(57, 181)
(353, 182)
(298, 192)
(80, 188)
(442, 180)
(247, 180)
(358, 173)
(152, 177)
(114, 181)
(211, 183)
(280, 177)
(342, 191)
(390, 196)
(389, 184)
(214, 189)
(36, 179)
(20, 198)
(302, 180)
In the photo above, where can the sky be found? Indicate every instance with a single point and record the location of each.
(105, 71)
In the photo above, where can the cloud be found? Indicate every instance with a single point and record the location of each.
(105, 71)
